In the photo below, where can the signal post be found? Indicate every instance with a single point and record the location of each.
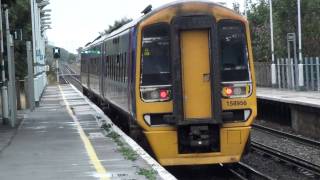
(56, 56)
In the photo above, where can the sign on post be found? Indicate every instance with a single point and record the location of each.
(56, 53)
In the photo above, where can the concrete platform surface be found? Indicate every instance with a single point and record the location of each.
(304, 98)
(7, 132)
(62, 139)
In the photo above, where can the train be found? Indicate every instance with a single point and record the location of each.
(183, 73)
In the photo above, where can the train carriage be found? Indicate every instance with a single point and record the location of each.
(184, 74)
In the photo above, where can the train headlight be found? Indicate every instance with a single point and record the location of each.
(236, 90)
(155, 94)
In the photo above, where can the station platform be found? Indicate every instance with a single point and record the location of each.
(298, 109)
(63, 139)
(304, 98)
(6, 134)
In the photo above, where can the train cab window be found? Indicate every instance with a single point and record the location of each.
(155, 55)
(234, 53)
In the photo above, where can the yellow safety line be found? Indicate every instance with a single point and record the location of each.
(90, 150)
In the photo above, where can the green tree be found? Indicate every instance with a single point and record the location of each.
(285, 20)
(117, 24)
(258, 16)
(20, 21)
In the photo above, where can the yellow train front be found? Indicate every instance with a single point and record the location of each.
(195, 83)
(192, 86)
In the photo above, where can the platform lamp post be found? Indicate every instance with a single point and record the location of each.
(300, 66)
(4, 88)
(273, 65)
(12, 98)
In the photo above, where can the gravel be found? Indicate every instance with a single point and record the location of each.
(273, 168)
(308, 153)
(283, 128)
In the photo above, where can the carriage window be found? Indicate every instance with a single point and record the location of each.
(234, 53)
(126, 67)
(155, 55)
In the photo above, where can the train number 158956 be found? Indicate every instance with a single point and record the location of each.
(236, 103)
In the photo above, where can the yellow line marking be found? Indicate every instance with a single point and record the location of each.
(90, 150)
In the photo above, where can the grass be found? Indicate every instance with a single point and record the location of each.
(107, 127)
(149, 174)
(127, 152)
(123, 148)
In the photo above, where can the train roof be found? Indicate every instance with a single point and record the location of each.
(133, 23)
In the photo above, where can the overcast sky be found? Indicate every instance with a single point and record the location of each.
(76, 22)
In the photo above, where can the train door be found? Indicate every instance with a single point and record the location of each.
(196, 83)
(194, 45)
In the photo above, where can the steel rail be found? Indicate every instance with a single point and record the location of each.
(238, 169)
(300, 139)
(69, 69)
(315, 169)
(71, 75)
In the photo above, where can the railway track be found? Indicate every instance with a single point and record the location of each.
(294, 137)
(244, 172)
(285, 157)
(69, 76)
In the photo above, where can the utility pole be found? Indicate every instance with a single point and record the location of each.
(301, 80)
(4, 90)
(11, 71)
(273, 65)
(30, 95)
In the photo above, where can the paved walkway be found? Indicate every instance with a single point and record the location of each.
(309, 98)
(7, 133)
(62, 140)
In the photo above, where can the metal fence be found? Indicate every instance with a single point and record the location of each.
(287, 74)
(312, 74)
(263, 74)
